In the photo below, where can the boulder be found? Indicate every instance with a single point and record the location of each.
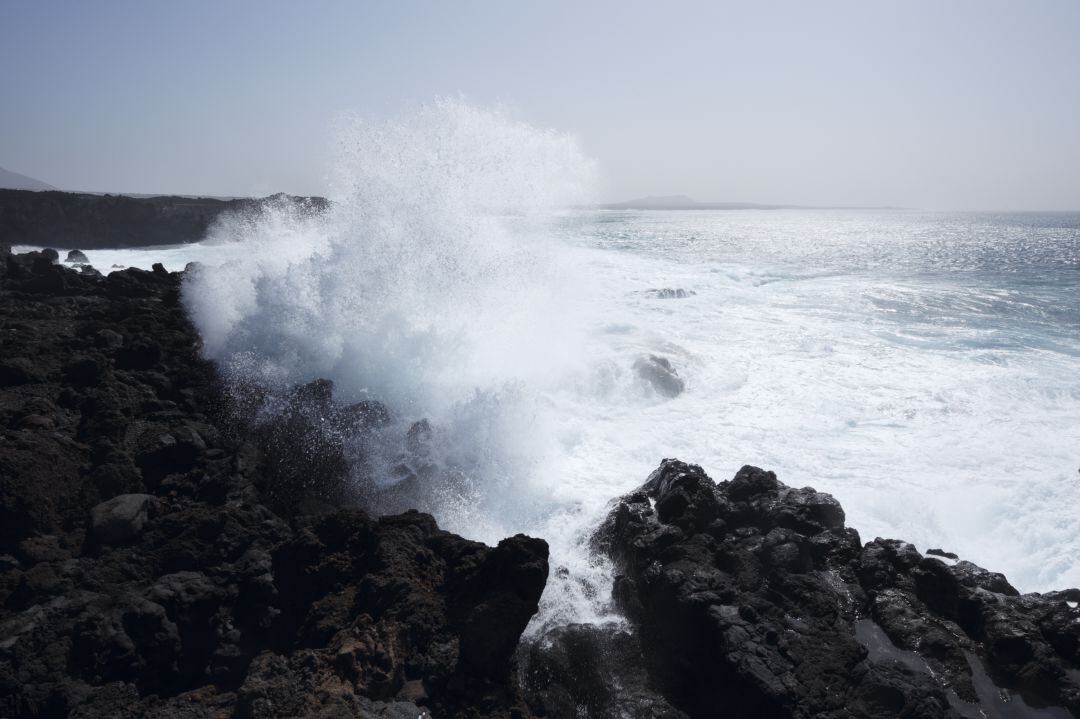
(590, 670)
(19, 370)
(77, 256)
(121, 518)
(660, 374)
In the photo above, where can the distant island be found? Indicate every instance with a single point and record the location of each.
(682, 202)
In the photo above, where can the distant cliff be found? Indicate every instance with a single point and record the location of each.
(69, 220)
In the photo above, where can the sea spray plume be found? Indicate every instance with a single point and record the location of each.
(428, 285)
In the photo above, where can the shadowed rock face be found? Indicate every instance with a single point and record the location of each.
(156, 556)
(598, 672)
(752, 599)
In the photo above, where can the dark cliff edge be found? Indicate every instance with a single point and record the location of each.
(164, 553)
(71, 220)
(151, 563)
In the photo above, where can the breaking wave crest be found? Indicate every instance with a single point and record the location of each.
(430, 284)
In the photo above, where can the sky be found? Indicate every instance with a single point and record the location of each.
(961, 104)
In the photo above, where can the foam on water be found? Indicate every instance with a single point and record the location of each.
(921, 367)
(942, 407)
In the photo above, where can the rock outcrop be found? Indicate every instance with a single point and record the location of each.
(660, 374)
(753, 599)
(159, 558)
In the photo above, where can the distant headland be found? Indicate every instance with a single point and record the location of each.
(71, 220)
(682, 202)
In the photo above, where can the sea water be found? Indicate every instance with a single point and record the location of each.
(923, 367)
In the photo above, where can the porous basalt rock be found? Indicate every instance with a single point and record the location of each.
(753, 599)
(660, 374)
(156, 557)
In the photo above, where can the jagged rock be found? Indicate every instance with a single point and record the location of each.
(660, 374)
(418, 438)
(754, 599)
(120, 519)
(83, 371)
(143, 571)
(598, 672)
(942, 553)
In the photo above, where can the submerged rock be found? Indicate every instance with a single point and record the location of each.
(669, 293)
(660, 374)
(120, 519)
(753, 599)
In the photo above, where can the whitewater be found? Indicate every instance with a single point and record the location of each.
(920, 366)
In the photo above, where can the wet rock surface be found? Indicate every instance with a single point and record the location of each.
(158, 557)
(660, 374)
(670, 293)
(753, 599)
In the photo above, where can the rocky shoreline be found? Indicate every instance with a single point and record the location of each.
(163, 554)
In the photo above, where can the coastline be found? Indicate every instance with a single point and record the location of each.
(160, 558)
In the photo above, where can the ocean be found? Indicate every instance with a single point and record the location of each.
(923, 367)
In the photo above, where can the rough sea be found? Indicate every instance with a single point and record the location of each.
(923, 367)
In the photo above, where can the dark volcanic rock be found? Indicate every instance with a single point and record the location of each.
(753, 599)
(583, 670)
(77, 256)
(120, 519)
(155, 555)
(660, 374)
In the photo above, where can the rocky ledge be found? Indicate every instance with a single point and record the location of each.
(155, 562)
(753, 599)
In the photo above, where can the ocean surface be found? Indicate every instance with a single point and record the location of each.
(922, 367)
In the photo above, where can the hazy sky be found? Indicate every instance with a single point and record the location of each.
(940, 103)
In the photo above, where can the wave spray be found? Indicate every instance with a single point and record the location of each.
(432, 285)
